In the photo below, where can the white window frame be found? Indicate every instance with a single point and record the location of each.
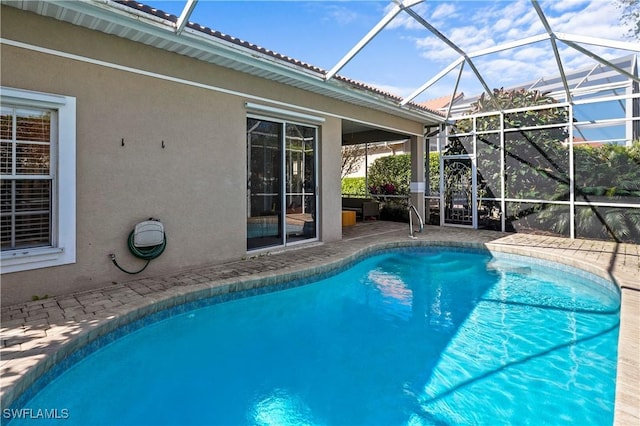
(63, 217)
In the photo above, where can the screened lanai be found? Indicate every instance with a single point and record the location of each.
(543, 162)
(558, 155)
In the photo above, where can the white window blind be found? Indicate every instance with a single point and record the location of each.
(26, 139)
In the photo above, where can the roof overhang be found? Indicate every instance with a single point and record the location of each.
(210, 46)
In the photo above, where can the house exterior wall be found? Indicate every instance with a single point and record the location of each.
(196, 184)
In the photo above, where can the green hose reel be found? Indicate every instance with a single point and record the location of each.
(146, 241)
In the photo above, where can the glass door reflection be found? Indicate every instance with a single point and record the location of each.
(264, 186)
(300, 183)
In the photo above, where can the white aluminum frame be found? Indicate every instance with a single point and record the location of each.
(572, 203)
(397, 8)
(184, 16)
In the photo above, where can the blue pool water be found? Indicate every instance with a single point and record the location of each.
(418, 337)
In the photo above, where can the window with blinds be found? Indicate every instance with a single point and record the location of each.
(26, 140)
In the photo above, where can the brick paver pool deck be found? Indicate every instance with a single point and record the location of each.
(36, 335)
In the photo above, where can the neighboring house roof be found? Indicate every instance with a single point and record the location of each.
(577, 140)
(138, 22)
(441, 103)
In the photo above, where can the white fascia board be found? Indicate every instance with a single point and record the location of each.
(108, 8)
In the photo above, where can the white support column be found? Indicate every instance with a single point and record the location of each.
(629, 124)
(417, 175)
(366, 168)
(572, 180)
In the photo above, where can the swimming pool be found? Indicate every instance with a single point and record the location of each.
(419, 336)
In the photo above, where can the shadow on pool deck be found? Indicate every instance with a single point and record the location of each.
(36, 335)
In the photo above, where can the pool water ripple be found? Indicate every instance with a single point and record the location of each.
(422, 337)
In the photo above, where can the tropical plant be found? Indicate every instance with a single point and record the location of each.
(608, 173)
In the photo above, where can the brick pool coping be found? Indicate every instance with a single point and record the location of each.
(37, 335)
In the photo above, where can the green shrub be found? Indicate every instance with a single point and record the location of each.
(394, 170)
(354, 186)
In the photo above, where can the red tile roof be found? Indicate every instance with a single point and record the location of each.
(441, 102)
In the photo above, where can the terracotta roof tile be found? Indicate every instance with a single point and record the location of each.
(441, 102)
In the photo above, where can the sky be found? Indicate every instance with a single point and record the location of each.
(405, 55)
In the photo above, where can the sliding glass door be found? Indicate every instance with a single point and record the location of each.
(300, 182)
(264, 211)
(281, 186)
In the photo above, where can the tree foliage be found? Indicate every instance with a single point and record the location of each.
(631, 16)
(352, 158)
